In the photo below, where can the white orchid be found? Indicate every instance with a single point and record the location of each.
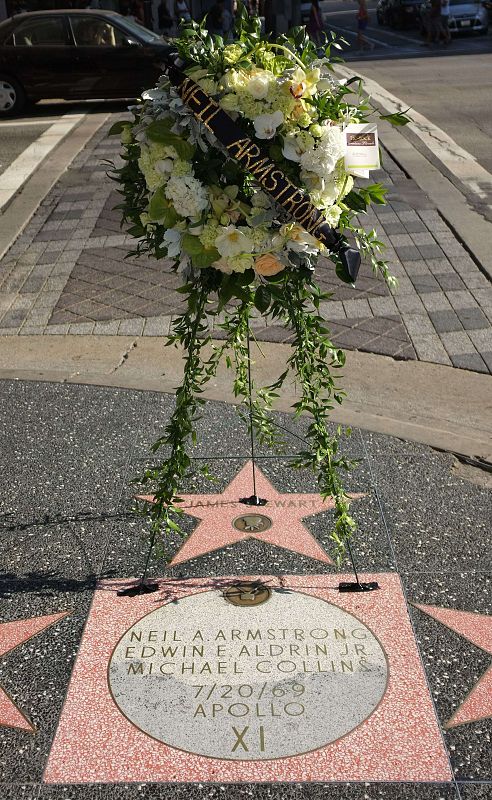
(297, 144)
(266, 124)
(292, 148)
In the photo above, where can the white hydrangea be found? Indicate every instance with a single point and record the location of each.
(151, 155)
(330, 148)
(188, 196)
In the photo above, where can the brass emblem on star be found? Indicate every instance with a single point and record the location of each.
(247, 594)
(253, 523)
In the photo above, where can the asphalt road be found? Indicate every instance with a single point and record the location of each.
(451, 87)
(15, 136)
(17, 133)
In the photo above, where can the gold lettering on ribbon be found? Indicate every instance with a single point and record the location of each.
(241, 144)
(249, 154)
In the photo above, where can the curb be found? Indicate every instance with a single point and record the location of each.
(411, 400)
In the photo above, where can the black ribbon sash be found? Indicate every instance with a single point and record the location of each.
(255, 160)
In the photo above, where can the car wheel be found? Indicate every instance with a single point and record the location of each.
(12, 96)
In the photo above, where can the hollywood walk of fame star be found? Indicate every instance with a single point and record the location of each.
(13, 634)
(477, 628)
(224, 520)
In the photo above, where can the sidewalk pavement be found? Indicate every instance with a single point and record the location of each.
(70, 452)
(67, 274)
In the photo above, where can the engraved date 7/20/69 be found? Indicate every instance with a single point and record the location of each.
(246, 690)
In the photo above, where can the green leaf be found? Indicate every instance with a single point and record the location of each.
(355, 201)
(205, 258)
(398, 120)
(374, 193)
(159, 132)
(191, 244)
(118, 127)
(158, 205)
(160, 210)
(136, 230)
(263, 298)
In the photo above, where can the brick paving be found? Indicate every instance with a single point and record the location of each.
(67, 274)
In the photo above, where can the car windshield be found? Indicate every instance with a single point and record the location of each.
(143, 33)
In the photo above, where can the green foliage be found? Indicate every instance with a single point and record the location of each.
(158, 131)
(397, 119)
(290, 298)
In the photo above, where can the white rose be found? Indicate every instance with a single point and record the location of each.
(164, 166)
(258, 84)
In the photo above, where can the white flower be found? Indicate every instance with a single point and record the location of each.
(266, 124)
(232, 241)
(223, 265)
(292, 149)
(323, 158)
(333, 215)
(258, 84)
(312, 182)
(188, 196)
(164, 166)
(327, 193)
(298, 239)
(172, 238)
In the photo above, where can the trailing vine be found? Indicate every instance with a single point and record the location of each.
(238, 249)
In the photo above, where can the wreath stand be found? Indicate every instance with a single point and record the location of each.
(147, 587)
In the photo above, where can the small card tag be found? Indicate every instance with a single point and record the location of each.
(362, 148)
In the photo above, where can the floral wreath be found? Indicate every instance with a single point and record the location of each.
(240, 251)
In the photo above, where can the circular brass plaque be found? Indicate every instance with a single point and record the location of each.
(252, 523)
(247, 594)
(271, 681)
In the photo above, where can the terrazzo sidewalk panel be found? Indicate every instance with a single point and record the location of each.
(386, 732)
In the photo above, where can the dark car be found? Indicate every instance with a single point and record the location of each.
(75, 55)
(398, 14)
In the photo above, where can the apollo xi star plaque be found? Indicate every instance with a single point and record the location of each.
(248, 682)
(248, 679)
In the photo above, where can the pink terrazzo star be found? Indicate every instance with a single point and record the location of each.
(13, 634)
(477, 628)
(217, 513)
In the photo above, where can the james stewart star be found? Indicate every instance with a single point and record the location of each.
(224, 520)
(477, 628)
(13, 634)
